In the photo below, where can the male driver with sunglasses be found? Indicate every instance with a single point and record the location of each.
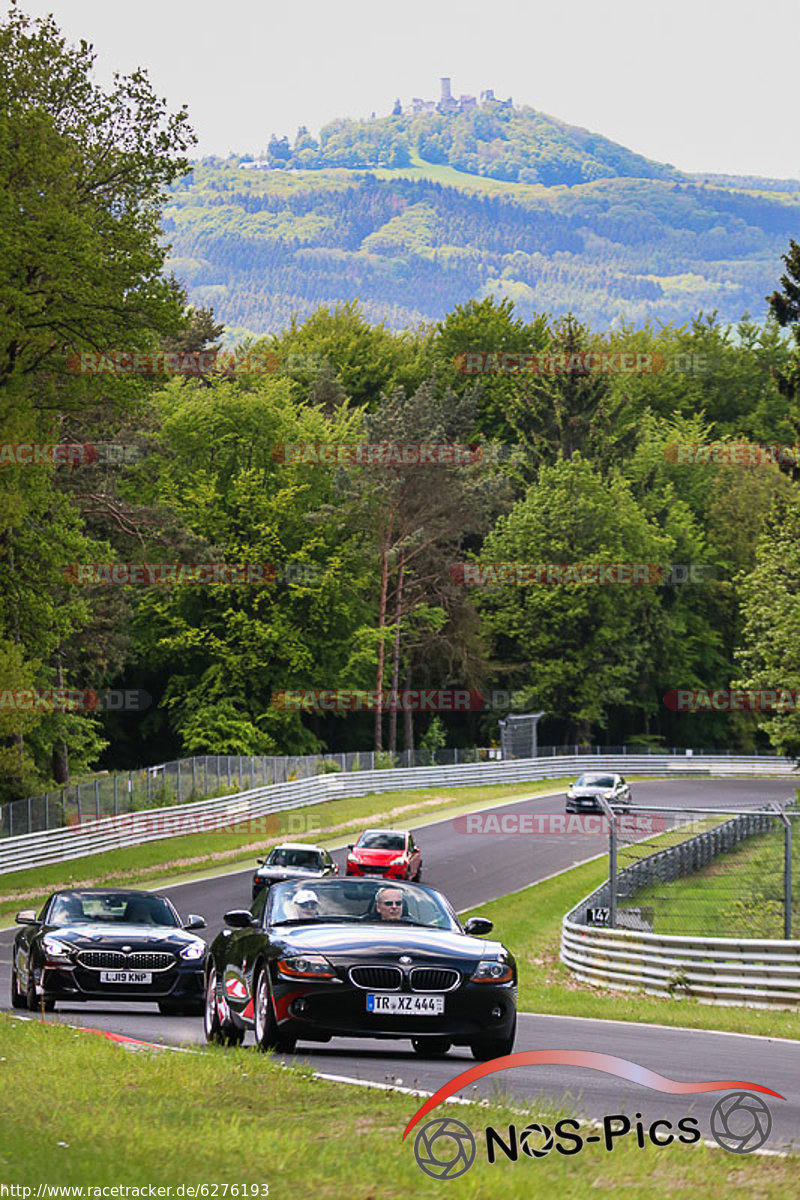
(389, 904)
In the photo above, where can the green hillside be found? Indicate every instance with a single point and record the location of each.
(411, 242)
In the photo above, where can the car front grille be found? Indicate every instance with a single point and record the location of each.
(115, 960)
(434, 979)
(387, 979)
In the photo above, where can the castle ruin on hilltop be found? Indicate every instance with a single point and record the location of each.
(447, 103)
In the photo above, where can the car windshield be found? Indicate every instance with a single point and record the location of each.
(604, 781)
(379, 839)
(114, 908)
(293, 858)
(359, 900)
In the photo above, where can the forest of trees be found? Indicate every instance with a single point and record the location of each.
(576, 465)
(259, 246)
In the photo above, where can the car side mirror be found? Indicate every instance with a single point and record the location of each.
(260, 861)
(27, 916)
(478, 926)
(194, 922)
(239, 918)
(351, 846)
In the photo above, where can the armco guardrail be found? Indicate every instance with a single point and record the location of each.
(108, 794)
(763, 973)
(91, 837)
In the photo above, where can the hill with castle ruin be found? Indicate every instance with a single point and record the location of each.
(443, 200)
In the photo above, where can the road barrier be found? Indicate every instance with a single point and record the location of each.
(127, 829)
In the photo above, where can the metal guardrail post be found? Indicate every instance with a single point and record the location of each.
(612, 860)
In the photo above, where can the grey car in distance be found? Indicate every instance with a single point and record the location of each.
(582, 796)
(293, 860)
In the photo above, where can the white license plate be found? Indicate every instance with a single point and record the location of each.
(416, 1006)
(126, 977)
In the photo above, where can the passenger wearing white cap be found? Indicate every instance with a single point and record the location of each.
(305, 903)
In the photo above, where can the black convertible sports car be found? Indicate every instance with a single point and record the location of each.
(107, 944)
(359, 958)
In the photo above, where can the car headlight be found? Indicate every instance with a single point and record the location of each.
(489, 970)
(608, 795)
(306, 966)
(193, 950)
(352, 858)
(53, 948)
(398, 862)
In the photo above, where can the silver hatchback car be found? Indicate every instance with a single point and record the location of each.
(582, 796)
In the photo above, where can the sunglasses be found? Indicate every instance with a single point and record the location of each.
(307, 904)
(391, 903)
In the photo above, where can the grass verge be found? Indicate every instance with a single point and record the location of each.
(237, 1118)
(529, 923)
(739, 894)
(209, 852)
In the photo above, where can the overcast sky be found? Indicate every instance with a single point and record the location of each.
(707, 85)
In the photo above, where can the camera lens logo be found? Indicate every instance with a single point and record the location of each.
(444, 1148)
(530, 1135)
(741, 1122)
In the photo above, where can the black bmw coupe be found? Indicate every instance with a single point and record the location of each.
(107, 944)
(359, 958)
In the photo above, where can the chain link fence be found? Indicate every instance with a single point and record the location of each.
(205, 776)
(688, 872)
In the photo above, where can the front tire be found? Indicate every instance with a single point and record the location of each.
(18, 998)
(485, 1048)
(266, 1027)
(435, 1047)
(35, 1003)
(219, 1030)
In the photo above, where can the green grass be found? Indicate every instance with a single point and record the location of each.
(529, 923)
(207, 853)
(740, 894)
(102, 1116)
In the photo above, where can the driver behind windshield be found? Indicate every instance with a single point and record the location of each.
(389, 904)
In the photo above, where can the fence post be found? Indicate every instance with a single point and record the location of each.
(179, 780)
(787, 879)
(47, 810)
(205, 770)
(194, 776)
(115, 795)
(97, 798)
(30, 817)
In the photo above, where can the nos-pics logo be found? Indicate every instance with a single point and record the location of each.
(446, 1148)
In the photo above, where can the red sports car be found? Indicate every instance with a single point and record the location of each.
(392, 853)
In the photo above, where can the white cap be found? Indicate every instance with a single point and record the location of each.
(305, 896)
